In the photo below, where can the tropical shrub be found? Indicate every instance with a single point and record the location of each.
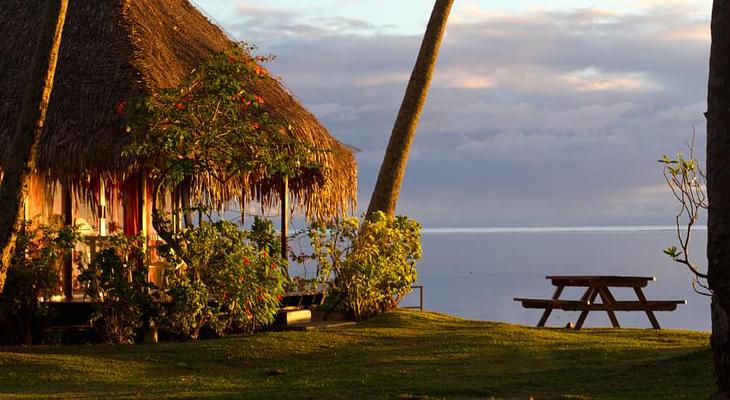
(370, 266)
(264, 237)
(117, 278)
(189, 310)
(223, 281)
(33, 274)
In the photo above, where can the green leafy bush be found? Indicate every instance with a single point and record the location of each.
(222, 281)
(189, 311)
(117, 278)
(264, 237)
(33, 274)
(370, 266)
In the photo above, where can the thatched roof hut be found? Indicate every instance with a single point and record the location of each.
(113, 50)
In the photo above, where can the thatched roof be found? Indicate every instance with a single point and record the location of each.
(113, 50)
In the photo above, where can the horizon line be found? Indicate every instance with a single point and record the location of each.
(560, 229)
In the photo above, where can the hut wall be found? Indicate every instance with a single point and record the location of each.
(40, 202)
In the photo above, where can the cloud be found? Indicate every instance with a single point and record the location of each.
(256, 10)
(541, 117)
(383, 78)
(460, 78)
(592, 79)
(270, 23)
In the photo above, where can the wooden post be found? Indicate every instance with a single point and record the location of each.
(26, 208)
(101, 211)
(284, 218)
(143, 205)
(242, 206)
(174, 209)
(68, 220)
(186, 189)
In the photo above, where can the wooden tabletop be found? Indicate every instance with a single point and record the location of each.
(600, 280)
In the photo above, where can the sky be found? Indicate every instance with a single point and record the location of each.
(540, 113)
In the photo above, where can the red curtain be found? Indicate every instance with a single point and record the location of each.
(131, 206)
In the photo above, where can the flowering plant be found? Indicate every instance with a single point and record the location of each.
(214, 123)
(224, 281)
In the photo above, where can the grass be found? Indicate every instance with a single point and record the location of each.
(400, 355)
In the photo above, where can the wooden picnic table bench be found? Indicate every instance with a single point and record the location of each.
(599, 286)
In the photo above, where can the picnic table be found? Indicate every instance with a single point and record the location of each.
(600, 286)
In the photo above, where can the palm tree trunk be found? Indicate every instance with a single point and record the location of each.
(718, 188)
(21, 151)
(390, 177)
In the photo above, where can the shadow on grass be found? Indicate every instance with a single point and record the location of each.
(398, 354)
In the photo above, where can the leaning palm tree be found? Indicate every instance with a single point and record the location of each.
(21, 150)
(390, 177)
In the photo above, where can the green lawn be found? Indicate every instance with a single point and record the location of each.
(401, 355)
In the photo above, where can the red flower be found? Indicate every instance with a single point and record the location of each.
(255, 126)
(180, 106)
(258, 99)
(264, 253)
(273, 265)
(122, 107)
(259, 70)
(279, 297)
(260, 58)
(246, 261)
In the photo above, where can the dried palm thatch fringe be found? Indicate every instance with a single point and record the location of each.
(116, 49)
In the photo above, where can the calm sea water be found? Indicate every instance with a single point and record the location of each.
(475, 273)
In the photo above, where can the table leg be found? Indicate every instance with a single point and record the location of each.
(589, 295)
(548, 310)
(649, 313)
(608, 299)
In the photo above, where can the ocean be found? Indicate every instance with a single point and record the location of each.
(476, 272)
